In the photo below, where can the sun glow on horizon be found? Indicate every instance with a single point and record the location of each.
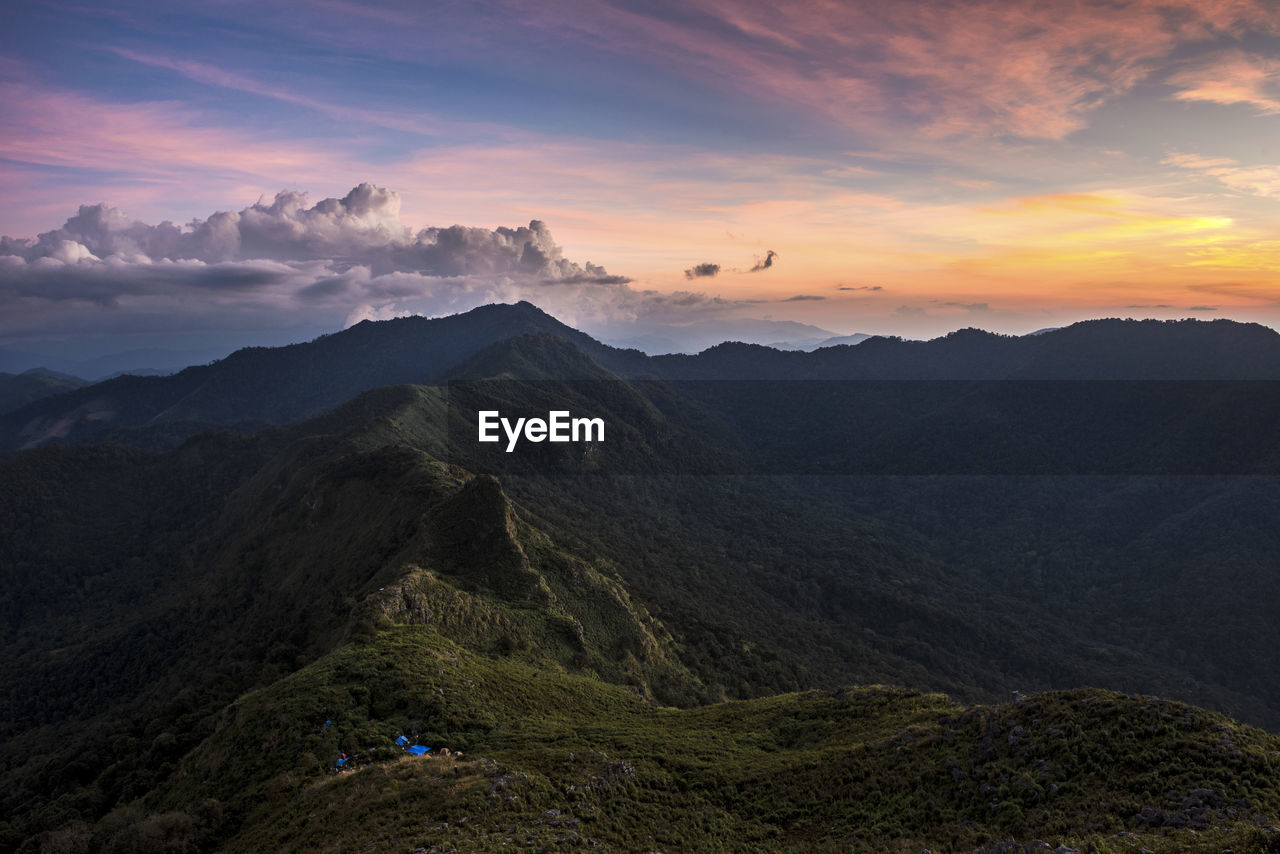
(911, 168)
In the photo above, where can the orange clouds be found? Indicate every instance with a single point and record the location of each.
(150, 156)
(932, 146)
(1232, 77)
(978, 69)
(1258, 180)
(62, 129)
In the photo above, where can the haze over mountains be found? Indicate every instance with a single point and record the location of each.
(17, 390)
(214, 583)
(281, 385)
(147, 362)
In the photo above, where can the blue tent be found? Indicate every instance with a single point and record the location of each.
(402, 742)
(418, 749)
(343, 761)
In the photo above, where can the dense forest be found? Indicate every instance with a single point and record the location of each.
(1030, 553)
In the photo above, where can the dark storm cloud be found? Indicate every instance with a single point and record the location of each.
(704, 270)
(324, 289)
(50, 280)
(765, 263)
(594, 276)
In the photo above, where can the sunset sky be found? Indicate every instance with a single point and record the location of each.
(907, 168)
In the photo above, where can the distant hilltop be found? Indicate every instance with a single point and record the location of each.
(280, 385)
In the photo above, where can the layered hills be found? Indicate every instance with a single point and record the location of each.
(651, 644)
(18, 390)
(255, 387)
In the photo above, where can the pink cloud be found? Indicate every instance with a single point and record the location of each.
(53, 128)
(1232, 77)
(158, 158)
(1256, 180)
(994, 68)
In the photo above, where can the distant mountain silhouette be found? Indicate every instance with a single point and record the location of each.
(855, 338)
(259, 385)
(18, 390)
(1090, 350)
(280, 385)
(151, 361)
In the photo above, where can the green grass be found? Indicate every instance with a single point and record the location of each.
(401, 594)
(868, 769)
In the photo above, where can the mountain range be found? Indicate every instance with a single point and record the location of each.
(258, 386)
(17, 390)
(726, 627)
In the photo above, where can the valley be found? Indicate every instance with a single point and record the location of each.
(924, 595)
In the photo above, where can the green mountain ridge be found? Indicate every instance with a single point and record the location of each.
(629, 654)
(18, 390)
(260, 386)
(561, 760)
(262, 575)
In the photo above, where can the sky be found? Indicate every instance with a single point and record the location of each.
(667, 174)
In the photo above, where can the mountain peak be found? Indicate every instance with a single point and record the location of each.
(280, 385)
(533, 356)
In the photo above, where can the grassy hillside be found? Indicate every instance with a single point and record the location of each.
(192, 637)
(557, 760)
(158, 588)
(977, 586)
(155, 588)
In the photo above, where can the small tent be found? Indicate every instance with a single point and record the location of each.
(418, 750)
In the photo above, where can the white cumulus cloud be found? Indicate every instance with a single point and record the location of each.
(288, 262)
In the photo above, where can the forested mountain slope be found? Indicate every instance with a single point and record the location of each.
(258, 386)
(647, 643)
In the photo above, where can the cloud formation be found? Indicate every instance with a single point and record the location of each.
(698, 271)
(968, 306)
(334, 262)
(1256, 180)
(362, 228)
(1232, 77)
(975, 69)
(764, 263)
(859, 287)
(802, 298)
